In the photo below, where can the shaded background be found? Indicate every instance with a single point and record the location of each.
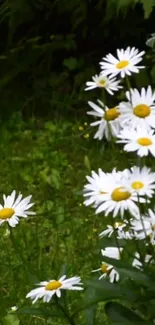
(49, 49)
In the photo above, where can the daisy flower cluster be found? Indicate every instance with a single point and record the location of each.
(124, 198)
(131, 121)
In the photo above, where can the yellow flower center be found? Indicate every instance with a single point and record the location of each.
(53, 285)
(111, 114)
(144, 142)
(137, 185)
(104, 268)
(122, 64)
(6, 213)
(153, 227)
(102, 82)
(142, 110)
(118, 224)
(119, 194)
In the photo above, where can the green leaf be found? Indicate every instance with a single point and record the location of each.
(70, 63)
(87, 163)
(139, 277)
(148, 6)
(11, 319)
(90, 312)
(54, 179)
(104, 290)
(151, 41)
(43, 312)
(121, 315)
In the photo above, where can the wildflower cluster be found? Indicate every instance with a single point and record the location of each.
(125, 198)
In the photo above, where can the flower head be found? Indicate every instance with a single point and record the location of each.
(141, 180)
(108, 120)
(145, 227)
(13, 208)
(107, 269)
(141, 140)
(137, 261)
(112, 193)
(48, 288)
(139, 111)
(110, 85)
(117, 226)
(125, 63)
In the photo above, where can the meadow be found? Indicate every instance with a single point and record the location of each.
(77, 174)
(50, 161)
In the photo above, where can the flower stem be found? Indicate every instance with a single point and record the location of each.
(66, 314)
(129, 87)
(16, 247)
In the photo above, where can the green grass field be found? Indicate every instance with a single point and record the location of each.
(50, 161)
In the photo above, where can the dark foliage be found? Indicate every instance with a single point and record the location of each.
(49, 48)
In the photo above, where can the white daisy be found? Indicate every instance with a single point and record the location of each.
(140, 140)
(107, 269)
(145, 227)
(117, 226)
(108, 120)
(140, 110)
(125, 63)
(137, 262)
(13, 208)
(118, 198)
(95, 189)
(141, 180)
(110, 85)
(48, 288)
(112, 193)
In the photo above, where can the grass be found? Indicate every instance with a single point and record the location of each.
(50, 161)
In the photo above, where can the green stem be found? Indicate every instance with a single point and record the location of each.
(66, 314)
(129, 87)
(16, 247)
(128, 83)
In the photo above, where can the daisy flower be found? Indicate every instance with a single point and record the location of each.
(110, 85)
(107, 269)
(113, 194)
(145, 227)
(47, 289)
(125, 63)
(119, 198)
(137, 262)
(13, 208)
(140, 110)
(117, 226)
(108, 120)
(141, 180)
(95, 189)
(141, 140)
